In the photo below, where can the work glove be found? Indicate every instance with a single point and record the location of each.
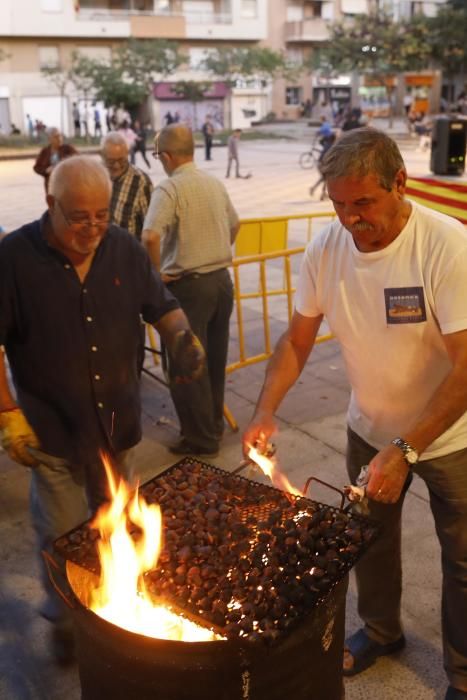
(16, 435)
(187, 358)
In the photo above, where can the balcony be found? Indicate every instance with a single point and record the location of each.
(142, 10)
(308, 30)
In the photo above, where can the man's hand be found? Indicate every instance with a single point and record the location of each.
(387, 475)
(187, 359)
(258, 432)
(16, 435)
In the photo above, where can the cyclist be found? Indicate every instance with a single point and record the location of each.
(326, 137)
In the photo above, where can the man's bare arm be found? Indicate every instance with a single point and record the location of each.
(284, 368)
(152, 243)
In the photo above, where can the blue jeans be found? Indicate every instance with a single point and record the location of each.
(62, 496)
(379, 572)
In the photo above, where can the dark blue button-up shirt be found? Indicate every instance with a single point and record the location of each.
(73, 347)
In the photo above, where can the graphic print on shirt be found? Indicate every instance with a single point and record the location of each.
(405, 305)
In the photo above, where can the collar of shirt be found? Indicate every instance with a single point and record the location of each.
(191, 165)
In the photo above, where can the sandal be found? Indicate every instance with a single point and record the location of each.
(365, 651)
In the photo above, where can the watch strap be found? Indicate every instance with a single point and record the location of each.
(409, 452)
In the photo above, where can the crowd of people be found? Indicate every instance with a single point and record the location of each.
(111, 250)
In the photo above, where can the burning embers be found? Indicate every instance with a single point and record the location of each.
(239, 558)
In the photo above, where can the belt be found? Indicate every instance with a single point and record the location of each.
(195, 275)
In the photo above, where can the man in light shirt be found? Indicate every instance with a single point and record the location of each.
(189, 231)
(390, 277)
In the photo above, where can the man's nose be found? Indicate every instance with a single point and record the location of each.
(350, 216)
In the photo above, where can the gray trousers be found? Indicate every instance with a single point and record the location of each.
(229, 164)
(207, 301)
(62, 496)
(379, 572)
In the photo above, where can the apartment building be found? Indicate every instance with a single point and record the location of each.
(301, 28)
(37, 33)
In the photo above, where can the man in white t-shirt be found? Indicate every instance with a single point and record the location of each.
(390, 277)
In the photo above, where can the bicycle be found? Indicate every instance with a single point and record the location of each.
(310, 158)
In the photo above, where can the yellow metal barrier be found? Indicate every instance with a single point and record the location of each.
(264, 294)
(260, 241)
(267, 235)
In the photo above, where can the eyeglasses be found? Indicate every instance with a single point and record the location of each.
(115, 161)
(85, 224)
(156, 153)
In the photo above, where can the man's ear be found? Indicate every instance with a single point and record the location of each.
(400, 181)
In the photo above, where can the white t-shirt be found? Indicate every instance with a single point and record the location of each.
(389, 310)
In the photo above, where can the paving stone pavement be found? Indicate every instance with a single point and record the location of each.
(311, 440)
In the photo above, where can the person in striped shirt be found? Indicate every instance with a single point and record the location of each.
(131, 187)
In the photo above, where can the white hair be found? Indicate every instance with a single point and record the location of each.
(113, 138)
(78, 172)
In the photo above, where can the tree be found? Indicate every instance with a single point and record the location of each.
(378, 47)
(193, 91)
(255, 62)
(130, 74)
(447, 33)
(234, 64)
(81, 75)
(59, 77)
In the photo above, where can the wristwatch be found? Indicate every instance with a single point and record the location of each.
(410, 455)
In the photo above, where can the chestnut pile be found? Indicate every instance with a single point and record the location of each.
(245, 558)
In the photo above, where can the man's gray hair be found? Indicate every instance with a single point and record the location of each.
(52, 130)
(176, 139)
(78, 172)
(113, 138)
(361, 152)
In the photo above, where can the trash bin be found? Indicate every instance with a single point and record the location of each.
(448, 146)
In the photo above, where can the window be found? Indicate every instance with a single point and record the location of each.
(354, 7)
(294, 12)
(48, 57)
(295, 56)
(249, 8)
(293, 95)
(51, 5)
(162, 6)
(96, 53)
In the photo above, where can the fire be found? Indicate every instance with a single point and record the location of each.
(269, 467)
(121, 597)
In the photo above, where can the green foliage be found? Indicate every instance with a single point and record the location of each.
(191, 90)
(447, 36)
(130, 74)
(57, 76)
(233, 63)
(377, 46)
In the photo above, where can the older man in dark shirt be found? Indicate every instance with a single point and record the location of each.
(72, 289)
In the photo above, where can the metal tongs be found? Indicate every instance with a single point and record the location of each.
(357, 494)
(269, 452)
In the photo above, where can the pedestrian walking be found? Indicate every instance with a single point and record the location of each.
(208, 132)
(52, 154)
(76, 119)
(140, 143)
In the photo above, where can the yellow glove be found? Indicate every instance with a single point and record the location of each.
(16, 435)
(187, 358)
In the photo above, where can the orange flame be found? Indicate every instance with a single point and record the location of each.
(121, 597)
(269, 467)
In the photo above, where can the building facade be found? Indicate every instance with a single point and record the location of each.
(38, 33)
